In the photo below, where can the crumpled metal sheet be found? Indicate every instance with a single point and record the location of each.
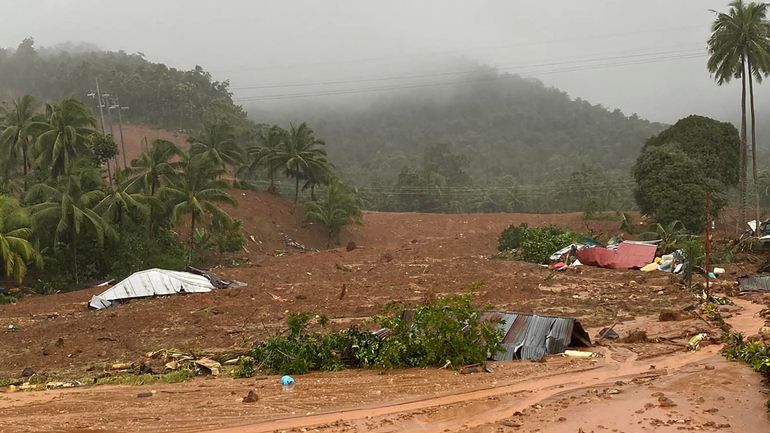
(531, 337)
(754, 283)
(152, 282)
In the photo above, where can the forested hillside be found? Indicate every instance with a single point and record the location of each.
(154, 92)
(505, 126)
(490, 143)
(496, 132)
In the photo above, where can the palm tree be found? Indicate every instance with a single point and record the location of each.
(65, 136)
(264, 153)
(19, 125)
(154, 167)
(340, 208)
(16, 251)
(196, 191)
(317, 175)
(70, 209)
(217, 140)
(300, 154)
(739, 47)
(120, 201)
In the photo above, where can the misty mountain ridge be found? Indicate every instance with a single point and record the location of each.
(506, 125)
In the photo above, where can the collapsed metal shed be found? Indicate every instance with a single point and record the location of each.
(152, 282)
(531, 337)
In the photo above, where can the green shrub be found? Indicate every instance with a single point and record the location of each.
(245, 367)
(7, 299)
(228, 235)
(753, 353)
(535, 244)
(446, 329)
(540, 243)
(510, 239)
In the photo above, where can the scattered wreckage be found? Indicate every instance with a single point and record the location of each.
(620, 254)
(160, 282)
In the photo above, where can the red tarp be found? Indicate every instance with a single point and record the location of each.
(628, 255)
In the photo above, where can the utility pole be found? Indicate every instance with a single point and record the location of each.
(707, 244)
(101, 118)
(120, 109)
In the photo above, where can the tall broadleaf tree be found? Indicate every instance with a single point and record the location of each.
(739, 47)
(19, 128)
(16, 251)
(196, 191)
(69, 209)
(65, 137)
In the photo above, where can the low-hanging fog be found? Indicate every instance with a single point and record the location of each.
(641, 57)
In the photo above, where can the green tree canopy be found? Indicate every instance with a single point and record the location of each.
(671, 186)
(713, 145)
(66, 135)
(16, 251)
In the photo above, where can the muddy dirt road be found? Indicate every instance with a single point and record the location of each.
(632, 388)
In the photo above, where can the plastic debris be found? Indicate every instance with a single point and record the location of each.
(207, 364)
(580, 354)
(287, 383)
(694, 343)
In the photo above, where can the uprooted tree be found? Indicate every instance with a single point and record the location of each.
(677, 167)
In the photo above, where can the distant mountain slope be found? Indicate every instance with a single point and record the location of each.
(155, 93)
(505, 125)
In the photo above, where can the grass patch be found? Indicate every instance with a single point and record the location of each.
(7, 299)
(147, 379)
(7, 381)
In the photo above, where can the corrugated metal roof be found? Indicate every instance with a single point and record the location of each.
(152, 282)
(754, 283)
(531, 337)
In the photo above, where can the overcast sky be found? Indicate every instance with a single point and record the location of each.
(645, 56)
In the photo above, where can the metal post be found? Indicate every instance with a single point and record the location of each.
(120, 128)
(707, 246)
(101, 117)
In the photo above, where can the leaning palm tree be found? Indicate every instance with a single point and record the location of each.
(65, 137)
(16, 251)
(154, 167)
(19, 129)
(69, 208)
(217, 141)
(739, 47)
(196, 191)
(300, 154)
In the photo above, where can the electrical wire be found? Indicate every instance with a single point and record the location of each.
(575, 68)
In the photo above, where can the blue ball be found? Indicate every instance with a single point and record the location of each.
(287, 380)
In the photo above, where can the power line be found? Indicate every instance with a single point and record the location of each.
(443, 83)
(470, 71)
(460, 50)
